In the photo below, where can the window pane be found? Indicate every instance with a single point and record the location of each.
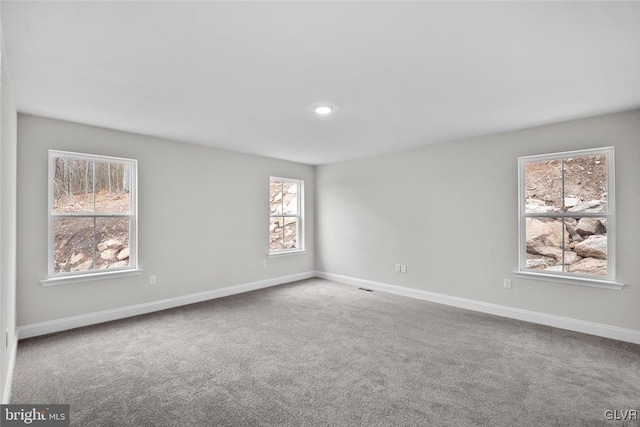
(547, 243)
(589, 244)
(112, 238)
(72, 185)
(276, 228)
(113, 182)
(73, 242)
(290, 198)
(275, 197)
(585, 183)
(543, 186)
(284, 207)
(291, 233)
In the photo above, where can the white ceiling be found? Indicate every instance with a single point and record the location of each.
(243, 76)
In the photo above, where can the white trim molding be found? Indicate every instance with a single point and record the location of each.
(585, 327)
(556, 278)
(592, 328)
(58, 325)
(6, 396)
(64, 280)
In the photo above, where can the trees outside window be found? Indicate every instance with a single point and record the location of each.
(92, 213)
(285, 220)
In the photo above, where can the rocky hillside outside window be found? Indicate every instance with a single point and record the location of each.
(285, 217)
(567, 205)
(92, 214)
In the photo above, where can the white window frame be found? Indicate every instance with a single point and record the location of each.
(608, 282)
(95, 274)
(299, 216)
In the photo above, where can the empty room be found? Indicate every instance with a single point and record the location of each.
(319, 213)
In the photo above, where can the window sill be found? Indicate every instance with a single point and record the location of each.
(286, 253)
(582, 281)
(64, 280)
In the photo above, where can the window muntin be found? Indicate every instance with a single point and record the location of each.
(285, 215)
(92, 214)
(566, 206)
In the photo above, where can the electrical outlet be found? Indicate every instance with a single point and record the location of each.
(403, 268)
(507, 283)
(264, 263)
(398, 268)
(153, 280)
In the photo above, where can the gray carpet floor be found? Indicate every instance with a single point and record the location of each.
(318, 353)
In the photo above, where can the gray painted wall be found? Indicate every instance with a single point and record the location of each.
(203, 219)
(449, 211)
(8, 148)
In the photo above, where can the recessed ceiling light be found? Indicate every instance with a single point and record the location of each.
(323, 109)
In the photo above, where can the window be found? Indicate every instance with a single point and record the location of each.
(567, 205)
(285, 222)
(92, 214)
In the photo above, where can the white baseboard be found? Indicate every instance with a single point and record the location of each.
(6, 396)
(67, 323)
(614, 332)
